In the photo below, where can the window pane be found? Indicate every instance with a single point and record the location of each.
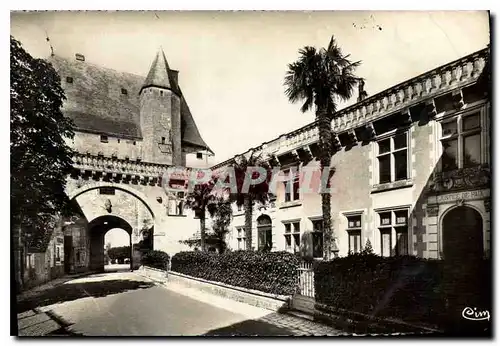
(318, 226)
(401, 217)
(386, 242)
(296, 227)
(471, 122)
(449, 128)
(296, 242)
(449, 160)
(262, 240)
(384, 163)
(400, 141)
(401, 165)
(288, 227)
(288, 242)
(296, 194)
(317, 245)
(287, 192)
(384, 146)
(472, 150)
(401, 241)
(385, 218)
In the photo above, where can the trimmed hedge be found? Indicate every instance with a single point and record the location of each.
(156, 259)
(270, 272)
(408, 288)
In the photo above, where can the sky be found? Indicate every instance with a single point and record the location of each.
(117, 237)
(232, 64)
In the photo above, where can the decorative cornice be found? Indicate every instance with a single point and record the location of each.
(411, 92)
(99, 167)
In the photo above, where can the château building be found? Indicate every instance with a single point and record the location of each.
(412, 172)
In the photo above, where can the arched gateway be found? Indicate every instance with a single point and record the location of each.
(129, 130)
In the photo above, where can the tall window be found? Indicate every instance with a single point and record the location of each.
(292, 237)
(354, 232)
(393, 227)
(241, 237)
(393, 158)
(317, 238)
(265, 233)
(461, 141)
(292, 185)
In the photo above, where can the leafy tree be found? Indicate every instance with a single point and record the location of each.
(40, 158)
(119, 253)
(319, 79)
(221, 221)
(256, 193)
(201, 200)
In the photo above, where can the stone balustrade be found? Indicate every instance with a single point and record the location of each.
(454, 75)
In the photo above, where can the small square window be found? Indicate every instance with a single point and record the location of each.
(69, 80)
(124, 91)
(199, 156)
(104, 139)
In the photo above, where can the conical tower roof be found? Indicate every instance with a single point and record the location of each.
(159, 74)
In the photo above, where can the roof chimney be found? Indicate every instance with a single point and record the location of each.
(80, 57)
(361, 90)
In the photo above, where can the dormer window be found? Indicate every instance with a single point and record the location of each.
(199, 156)
(104, 139)
(69, 80)
(124, 91)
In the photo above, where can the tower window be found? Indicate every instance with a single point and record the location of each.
(69, 79)
(161, 92)
(134, 142)
(118, 140)
(104, 139)
(124, 91)
(199, 156)
(163, 140)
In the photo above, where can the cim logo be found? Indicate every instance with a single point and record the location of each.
(474, 315)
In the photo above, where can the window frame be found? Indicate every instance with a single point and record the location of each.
(241, 237)
(390, 135)
(294, 182)
(291, 233)
(461, 135)
(104, 138)
(355, 231)
(393, 228)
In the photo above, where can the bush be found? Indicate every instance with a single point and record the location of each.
(407, 288)
(156, 259)
(271, 272)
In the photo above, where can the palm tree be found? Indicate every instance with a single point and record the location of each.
(201, 200)
(256, 193)
(320, 79)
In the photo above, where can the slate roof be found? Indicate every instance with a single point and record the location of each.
(95, 102)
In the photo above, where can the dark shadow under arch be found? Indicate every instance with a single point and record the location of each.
(462, 234)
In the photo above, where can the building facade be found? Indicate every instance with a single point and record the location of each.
(412, 172)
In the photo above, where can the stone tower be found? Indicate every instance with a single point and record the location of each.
(160, 113)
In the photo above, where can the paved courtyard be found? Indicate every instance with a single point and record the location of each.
(126, 304)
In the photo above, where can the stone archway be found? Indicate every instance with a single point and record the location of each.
(97, 230)
(107, 206)
(462, 236)
(264, 233)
